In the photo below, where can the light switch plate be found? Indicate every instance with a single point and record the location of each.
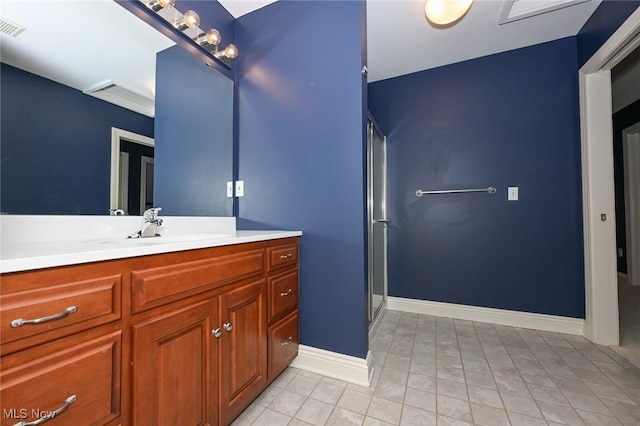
(239, 188)
(513, 193)
(229, 189)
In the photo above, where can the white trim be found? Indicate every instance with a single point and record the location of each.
(543, 322)
(116, 135)
(601, 298)
(332, 364)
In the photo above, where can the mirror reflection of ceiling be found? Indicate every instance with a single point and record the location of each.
(89, 35)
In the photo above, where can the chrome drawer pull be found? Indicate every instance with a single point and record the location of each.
(227, 326)
(286, 342)
(50, 415)
(21, 321)
(286, 256)
(287, 293)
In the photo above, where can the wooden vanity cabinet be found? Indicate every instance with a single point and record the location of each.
(173, 378)
(194, 337)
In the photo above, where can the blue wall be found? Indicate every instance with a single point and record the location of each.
(194, 136)
(301, 139)
(56, 146)
(604, 21)
(510, 119)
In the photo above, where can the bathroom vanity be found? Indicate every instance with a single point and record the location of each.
(181, 331)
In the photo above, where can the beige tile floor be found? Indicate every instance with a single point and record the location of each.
(442, 371)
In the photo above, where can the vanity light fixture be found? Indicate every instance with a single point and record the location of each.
(445, 12)
(189, 24)
(231, 52)
(211, 37)
(157, 5)
(190, 19)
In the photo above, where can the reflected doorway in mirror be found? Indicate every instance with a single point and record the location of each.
(131, 171)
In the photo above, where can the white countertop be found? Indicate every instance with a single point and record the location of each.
(29, 256)
(21, 250)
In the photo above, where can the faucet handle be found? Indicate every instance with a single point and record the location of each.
(151, 213)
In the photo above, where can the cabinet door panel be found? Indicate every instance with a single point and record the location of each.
(84, 377)
(243, 349)
(173, 378)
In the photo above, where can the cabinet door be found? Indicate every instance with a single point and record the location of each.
(173, 374)
(243, 351)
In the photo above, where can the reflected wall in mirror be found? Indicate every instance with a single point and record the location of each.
(56, 140)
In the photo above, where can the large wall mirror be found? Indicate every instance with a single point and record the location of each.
(82, 71)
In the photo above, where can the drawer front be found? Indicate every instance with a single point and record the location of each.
(72, 306)
(283, 294)
(84, 378)
(282, 256)
(158, 286)
(283, 344)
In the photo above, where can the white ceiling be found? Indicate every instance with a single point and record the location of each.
(401, 41)
(82, 43)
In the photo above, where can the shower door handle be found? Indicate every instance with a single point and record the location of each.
(381, 221)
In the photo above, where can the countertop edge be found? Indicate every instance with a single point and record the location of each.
(41, 261)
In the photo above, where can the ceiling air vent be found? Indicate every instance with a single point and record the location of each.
(9, 28)
(121, 95)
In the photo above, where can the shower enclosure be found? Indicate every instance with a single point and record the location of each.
(377, 218)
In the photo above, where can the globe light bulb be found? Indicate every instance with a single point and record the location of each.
(211, 37)
(190, 19)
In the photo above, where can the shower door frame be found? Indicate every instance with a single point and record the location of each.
(372, 313)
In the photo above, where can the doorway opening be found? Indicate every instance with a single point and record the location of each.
(599, 213)
(132, 158)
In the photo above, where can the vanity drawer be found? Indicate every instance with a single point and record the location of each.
(283, 344)
(83, 376)
(161, 285)
(283, 294)
(282, 256)
(54, 311)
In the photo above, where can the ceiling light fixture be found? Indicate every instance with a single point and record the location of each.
(445, 12)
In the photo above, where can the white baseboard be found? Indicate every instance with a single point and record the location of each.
(332, 364)
(542, 322)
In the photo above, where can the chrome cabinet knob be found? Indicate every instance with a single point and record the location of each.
(227, 326)
(216, 333)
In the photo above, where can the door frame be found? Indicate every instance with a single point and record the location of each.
(371, 316)
(117, 135)
(600, 263)
(631, 145)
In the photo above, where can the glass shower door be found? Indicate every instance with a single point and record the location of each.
(377, 198)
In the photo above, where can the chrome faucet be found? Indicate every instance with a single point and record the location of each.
(149, 225)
